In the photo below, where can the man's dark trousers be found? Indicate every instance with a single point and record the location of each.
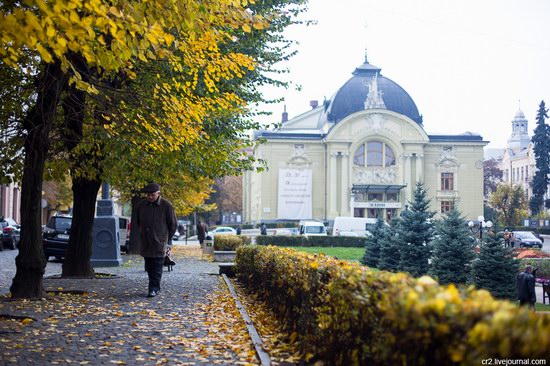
(154, 268)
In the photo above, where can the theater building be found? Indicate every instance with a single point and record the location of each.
(360, 154)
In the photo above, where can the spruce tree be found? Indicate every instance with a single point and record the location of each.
(416, 232)
(453, 250)
(390, 247)
(541, 149)
(372, 245)
(495, 269)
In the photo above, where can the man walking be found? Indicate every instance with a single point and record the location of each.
(201, 232)
(157, 223)
(526, 288)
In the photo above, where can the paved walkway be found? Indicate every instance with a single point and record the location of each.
(191, 322)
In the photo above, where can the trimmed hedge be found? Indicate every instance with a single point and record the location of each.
(312, 241)
(229, 242)
(344, 314)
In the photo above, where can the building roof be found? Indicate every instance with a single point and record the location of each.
(351, 97)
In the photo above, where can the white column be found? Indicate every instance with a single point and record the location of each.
(344, 186)
(332, 167)
(407, 179)
(420, 168)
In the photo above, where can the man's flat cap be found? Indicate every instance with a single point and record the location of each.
(151, 188)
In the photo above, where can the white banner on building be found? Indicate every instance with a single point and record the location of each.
(295, 198)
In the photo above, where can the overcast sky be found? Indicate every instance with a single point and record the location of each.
(468, 65)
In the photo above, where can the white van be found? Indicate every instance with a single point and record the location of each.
(352, 226)
(311, 228)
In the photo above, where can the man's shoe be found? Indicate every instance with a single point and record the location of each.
(152, 293)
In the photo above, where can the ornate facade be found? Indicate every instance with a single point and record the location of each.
(361, 154)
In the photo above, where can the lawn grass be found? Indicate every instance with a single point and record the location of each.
(349, 254)
(542, 307)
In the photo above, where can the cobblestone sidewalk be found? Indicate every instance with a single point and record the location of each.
(110, 320)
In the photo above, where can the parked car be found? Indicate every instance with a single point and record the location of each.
(226, 230)
(524, 239)
(55, 236)
(124, 231)
(285, 232)
(312, 228)
(10, 233)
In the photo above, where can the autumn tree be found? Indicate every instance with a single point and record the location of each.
(66, 45)
(541, 149)
(510, 204)
(228, 195)
(492, 176)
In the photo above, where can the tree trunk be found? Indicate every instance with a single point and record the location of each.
(31, 262)
(134, 229)
(79, 252)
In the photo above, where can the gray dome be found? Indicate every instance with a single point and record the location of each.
(350, 98)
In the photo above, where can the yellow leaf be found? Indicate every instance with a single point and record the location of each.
(50, 32)
(26, 321)
(246, 28)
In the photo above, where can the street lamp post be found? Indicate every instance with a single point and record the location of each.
(481, 225)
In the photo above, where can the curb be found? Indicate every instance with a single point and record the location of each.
(265, 360)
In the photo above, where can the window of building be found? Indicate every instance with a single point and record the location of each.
(374, 154)
(359, 197)
(374, 213)
(358, 212)
(447, 181)
(359, 157)
(521, 173)
(391, 213)
(391, 197)
(375, 197)
(446, 206)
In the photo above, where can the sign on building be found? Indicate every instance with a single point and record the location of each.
(294, 199)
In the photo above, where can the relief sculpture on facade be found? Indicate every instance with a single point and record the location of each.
(374, 175)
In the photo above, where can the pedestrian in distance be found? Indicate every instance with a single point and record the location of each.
(263, 229)
(238, 229)
(181, 229)
(202, 230)
(157, 224)
(507, 236)
(526, 288)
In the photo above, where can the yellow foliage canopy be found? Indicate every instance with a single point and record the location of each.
(113, 37)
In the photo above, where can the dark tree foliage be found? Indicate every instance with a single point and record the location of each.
(453, 250)
(416, 233)
(390, 246)
(492, 176)
(495, 269)
(541, 148)
(373, 244)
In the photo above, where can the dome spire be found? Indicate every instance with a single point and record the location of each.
(366, 60)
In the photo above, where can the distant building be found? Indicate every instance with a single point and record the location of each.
(361, 153)
(10, 201)
(518, 160)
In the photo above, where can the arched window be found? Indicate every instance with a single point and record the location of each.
(374, 154)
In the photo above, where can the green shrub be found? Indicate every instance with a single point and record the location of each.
(229, 242)
(346, 314)
(312, 241)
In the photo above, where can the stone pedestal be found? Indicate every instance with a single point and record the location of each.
(106, 237)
